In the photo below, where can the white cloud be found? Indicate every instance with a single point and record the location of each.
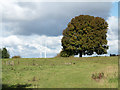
(12, 11)
(113, 34)
(113, 27)
(11, 40)
(31, 46)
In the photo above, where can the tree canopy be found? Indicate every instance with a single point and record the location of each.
(5, 53)
(0, 53)
(85, 35)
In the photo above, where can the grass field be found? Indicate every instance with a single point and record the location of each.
(60, 72)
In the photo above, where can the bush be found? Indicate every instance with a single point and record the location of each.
(65, 54)
(98, 75)
(16, 57)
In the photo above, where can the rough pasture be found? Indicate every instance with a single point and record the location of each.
(60, 72)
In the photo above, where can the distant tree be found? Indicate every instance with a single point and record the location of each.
(113, 55)
(85, 35)
(16, 57)
(5, 53)
(0, 53)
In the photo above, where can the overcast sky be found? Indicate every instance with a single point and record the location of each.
(29, 28)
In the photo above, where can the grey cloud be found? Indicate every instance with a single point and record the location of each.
(52, 18)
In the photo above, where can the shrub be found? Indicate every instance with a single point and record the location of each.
(16, 57)
(113, 55)
(97, 75)
(64, 54)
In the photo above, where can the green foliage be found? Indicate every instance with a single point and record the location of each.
(85, 35)
(65, 54)
(0, 53)
(5, 53)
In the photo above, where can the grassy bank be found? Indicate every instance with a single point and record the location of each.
(60, 72)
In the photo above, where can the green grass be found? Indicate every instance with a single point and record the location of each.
(55, 73)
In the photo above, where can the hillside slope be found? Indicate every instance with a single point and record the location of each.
(60, 72)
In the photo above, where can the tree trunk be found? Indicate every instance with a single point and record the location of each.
(80, 54)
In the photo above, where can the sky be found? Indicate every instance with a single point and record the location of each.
(29, 29)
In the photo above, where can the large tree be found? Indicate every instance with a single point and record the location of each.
(85, 35)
